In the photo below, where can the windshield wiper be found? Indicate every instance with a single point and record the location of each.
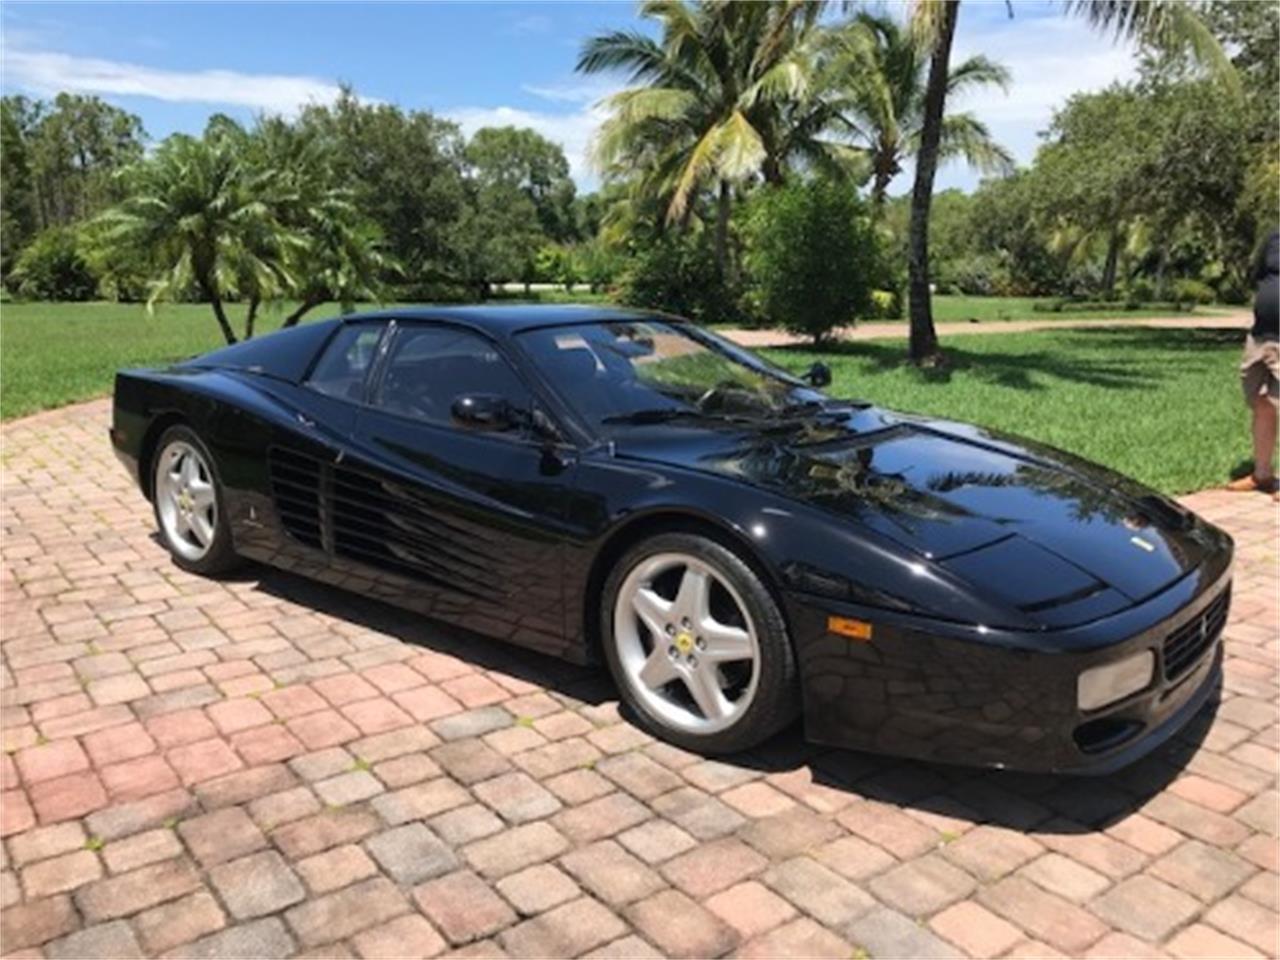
(665, 414)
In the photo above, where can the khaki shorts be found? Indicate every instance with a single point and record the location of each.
(1260, 371)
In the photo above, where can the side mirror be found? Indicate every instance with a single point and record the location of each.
(818, 375)
(484, 411)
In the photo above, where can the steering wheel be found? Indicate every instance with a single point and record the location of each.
(409, 401)
(704, 401)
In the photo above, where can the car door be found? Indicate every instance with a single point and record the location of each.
(463, 524)
(292, 451)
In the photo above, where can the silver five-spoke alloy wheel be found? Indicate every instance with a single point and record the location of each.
(686, 642)
(185, 500)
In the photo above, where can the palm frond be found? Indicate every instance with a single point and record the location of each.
(978, 71)
(1171, 26)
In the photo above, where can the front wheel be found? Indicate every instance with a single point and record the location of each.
(188, 504)
(697, 645)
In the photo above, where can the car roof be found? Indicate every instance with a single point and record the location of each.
(500, 320)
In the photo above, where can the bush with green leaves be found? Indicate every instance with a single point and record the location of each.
(812, 255)
(555, 263)
(677, 274)
(885, 305)
(597, 264)
(1189, 292)
(52, 267)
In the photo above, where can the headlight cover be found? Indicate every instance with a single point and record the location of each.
(1099, 686)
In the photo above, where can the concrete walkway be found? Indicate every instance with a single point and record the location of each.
(759, 339)
(263, 767)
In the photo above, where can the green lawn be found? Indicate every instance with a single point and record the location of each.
(1160, 405)
(52, 354)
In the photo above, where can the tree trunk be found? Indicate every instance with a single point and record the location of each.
(771, 169)
(1161, 264)
(924, 338)
(292, 319)
(1109, 268)
(885, 168)
(250, 316)
(215, 301)
(878, 187)
(724, 205)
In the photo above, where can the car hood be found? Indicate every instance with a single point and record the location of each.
(1030, 525)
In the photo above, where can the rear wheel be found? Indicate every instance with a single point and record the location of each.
(188, 504)
(697, 645)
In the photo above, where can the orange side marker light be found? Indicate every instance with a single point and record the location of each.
(858, 630)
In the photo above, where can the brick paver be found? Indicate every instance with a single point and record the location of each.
(261, 766)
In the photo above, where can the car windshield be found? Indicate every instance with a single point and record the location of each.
(618, 372)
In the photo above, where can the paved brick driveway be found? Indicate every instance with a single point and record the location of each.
(262, 768)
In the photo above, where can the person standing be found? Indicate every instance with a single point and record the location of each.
(1260, 370)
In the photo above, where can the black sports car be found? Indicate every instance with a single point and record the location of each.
(736, 546)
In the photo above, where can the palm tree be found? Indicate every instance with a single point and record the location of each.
(881, 100)
(197, 214)
(341, 257)
(1170, 25)
(337, 254)
(704, 109)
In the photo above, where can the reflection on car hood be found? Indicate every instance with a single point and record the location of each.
(966, 498)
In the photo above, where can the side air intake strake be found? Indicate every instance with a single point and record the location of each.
(295, 487)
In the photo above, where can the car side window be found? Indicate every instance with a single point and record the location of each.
(346, 361)
(430, 367)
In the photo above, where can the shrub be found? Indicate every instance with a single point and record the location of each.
(885, 305)
(1189, 292)
(980, 275)
(597, 264)
(555, 264)
(677, 274)
(813, 254)
(53, 268)
(1139, 290)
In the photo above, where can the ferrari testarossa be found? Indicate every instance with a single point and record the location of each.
(602, 484)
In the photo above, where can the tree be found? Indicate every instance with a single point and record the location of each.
(1163, 24)
(882, 98)
(338, 254)
(496, 238)
(406, 174)
(527, 161)
(1093, 171)
(59, 162)
(813, 251)
(936, 21)
(77, 145)
(17, 199)
(196, 213)
(704, 110)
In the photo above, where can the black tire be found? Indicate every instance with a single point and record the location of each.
(220, 558)
(777, 698)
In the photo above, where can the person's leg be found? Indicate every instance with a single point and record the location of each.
(1264, 440)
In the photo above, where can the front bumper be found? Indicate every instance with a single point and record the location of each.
(969, 695)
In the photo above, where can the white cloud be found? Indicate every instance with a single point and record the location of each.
(47, 73)
(573, 131)
(1050, 58)
(578, 91)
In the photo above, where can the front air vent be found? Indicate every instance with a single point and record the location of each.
(1183, 647)
(295, 489)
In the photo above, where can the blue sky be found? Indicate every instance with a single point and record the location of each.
(480, 63)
